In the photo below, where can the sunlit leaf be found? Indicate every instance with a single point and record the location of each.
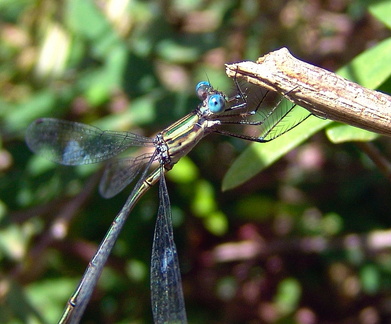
(259, 156)
(339, 133)
(367, 68)
(382, 11)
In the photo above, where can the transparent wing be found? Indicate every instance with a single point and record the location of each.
(168, 305)
(71, 143)
(121, 172)
(260, 116)
(279, 119)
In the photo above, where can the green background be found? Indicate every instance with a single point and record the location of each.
(304, 241)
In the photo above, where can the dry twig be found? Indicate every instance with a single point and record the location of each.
(320, 91)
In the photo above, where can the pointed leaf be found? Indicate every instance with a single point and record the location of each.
(259, 156)
(339, 133)
(368, 69)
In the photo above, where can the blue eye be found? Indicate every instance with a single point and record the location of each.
(202, 89)
(216, 103)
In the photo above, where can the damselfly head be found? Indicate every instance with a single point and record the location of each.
(216, 103)
(202, 89)
(213, 101)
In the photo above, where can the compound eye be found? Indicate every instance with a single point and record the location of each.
(216, 103)
(202, 89)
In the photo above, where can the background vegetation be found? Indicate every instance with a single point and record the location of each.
(305, 241)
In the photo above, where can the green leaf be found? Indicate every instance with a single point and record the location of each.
(204, 206)
(174, 52)
(185, 171)
(258, 157)
(370, 279)
(49, 296)
(100, 84)
(288, 295)
(217, 223)
(339, 133)
(371, 68)
(86, 19)
(382, 11)
(368, 69)
(18, 116)
(16, 306)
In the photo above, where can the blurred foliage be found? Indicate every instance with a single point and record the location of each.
(305, 241)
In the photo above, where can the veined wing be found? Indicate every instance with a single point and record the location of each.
(121, 172)
(168, 305)
(270, 115)
(72, 143)
(279, 119)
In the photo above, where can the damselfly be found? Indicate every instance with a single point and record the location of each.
(72, 143)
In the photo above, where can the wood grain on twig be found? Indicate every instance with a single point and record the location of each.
(320, 91)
